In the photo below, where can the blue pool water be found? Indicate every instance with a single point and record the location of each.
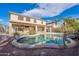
(43, 39)
(55, 42)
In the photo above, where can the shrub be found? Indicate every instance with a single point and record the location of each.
(32, 32)
(57, 30)
(16, 35)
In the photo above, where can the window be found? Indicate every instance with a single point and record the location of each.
(34, 20)
(27, 18)
(41, 22)
(20, 17)
(19, 27)
(40, 29)
(46, 23)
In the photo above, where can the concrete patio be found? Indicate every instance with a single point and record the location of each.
(10, 50)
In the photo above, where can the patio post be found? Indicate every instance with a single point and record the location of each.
(45, 28)
(50, 29)
(36, 28)
(10, 29)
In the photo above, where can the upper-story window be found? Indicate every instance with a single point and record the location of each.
(41, 22)
(46, 23)
(20, 17)
(27, 18)
(34, 20)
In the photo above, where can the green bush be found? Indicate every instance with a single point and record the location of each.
(32, 32)
(16, 35)
(57, 30)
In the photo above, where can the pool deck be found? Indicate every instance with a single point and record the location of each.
(10, 50)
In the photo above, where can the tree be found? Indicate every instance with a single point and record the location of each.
(55, 21)
(1, 28)
(71, 24)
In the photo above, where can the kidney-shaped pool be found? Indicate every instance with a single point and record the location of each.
(44, 40)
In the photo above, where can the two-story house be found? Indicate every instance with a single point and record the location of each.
(23, 24)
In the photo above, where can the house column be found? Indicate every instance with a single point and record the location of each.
(11, 30)
(36, 28)
(45, 28)
(50, 29)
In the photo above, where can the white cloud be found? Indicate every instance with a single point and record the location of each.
(1, 20)
(48, 10)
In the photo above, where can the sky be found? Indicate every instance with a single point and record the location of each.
(45, 11)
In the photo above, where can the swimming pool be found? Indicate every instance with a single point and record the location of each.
(42, 40)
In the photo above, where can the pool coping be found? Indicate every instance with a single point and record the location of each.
(41, 33)
(69, 45)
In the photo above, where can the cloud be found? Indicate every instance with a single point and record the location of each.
(48, 10)
(1, 20)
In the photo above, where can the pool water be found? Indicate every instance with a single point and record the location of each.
(43, 39)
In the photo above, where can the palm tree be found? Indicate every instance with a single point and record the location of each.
(65, 28)
(64, 24)
(1, 28)
(77, 19)
(55, 21)
(68, 23)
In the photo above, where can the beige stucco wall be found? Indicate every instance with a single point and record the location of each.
(14, 17)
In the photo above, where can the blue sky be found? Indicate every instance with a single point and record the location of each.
(40, 11)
